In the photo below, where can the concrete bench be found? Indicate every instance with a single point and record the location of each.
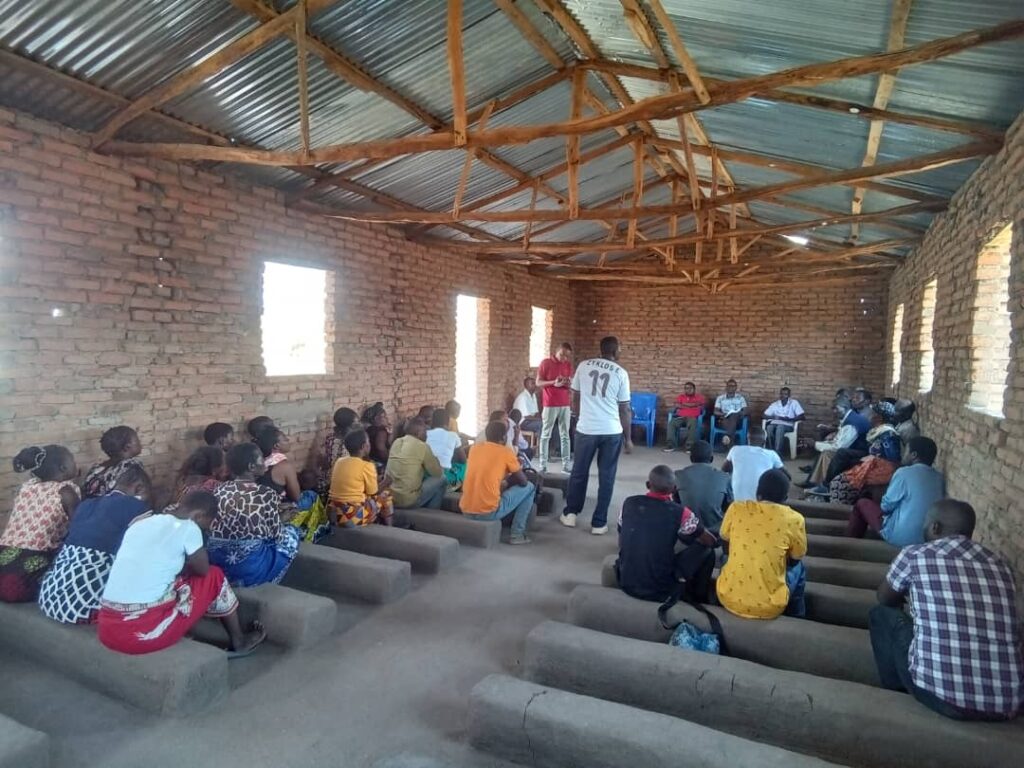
(827, 603)
(544, 503)
(21, 746)
(472, 533)
(845, 573)
(832, 719)
(842, 548)
(185, 679)
(823, 510)
(293, 618)
(820, 527)
(843, 653)
(350, 574)
(543, 727)
(425, 552)
(556, 480)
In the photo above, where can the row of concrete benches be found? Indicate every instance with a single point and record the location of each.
(601, 701)
(325, 583)
(605, 689)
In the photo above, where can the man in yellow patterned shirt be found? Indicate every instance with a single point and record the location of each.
(764, 576)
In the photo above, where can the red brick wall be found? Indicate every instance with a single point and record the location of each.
(982, 455)
(813, 340)
(85, 233)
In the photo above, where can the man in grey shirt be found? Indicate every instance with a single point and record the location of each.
(704, 489)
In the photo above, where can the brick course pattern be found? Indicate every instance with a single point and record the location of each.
(156, 269)
(982, 455)
(765, 337)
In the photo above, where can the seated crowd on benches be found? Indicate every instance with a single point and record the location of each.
(99, 552)
(955, 645)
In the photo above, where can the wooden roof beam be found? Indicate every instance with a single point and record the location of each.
(898, 168)
(852, 108)
(886, 82)
(658, 107)
(352, 73)
(191, 77)
(574, 248)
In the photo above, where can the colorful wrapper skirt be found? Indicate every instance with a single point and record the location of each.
(144, 628)
(251, 562)
(21, 571)
(379, 507)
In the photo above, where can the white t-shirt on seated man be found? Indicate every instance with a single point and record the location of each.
(747, 463)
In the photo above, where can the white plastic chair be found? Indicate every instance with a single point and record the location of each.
(791, 436)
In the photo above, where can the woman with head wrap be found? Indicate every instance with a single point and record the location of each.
(878, 466)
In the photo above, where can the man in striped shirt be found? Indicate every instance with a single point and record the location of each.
(958, 651)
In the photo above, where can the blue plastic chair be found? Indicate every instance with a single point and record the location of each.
(645, 409)
(671, 415)
(741, 433)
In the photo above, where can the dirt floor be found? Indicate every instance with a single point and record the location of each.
(388, 690)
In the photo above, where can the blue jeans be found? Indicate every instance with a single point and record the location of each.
(607, 449)
(516, 501)
(796, 580)
(432, 493)
(892, 630)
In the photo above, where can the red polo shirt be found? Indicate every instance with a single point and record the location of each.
(689, 405)
(550, 369)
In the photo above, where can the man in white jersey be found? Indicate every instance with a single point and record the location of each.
(600, 395)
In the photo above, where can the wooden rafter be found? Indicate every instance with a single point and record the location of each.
(886, 83)
(797, 168)
(303, 80)
(16, 61)
(196, 74)
(852, 108)
(572, 159)
(457, 71)
(352, 73)
(885, 170)
(569, 248)
(665, 106)
(685, 60)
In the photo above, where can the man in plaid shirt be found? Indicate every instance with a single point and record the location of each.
(959, 650)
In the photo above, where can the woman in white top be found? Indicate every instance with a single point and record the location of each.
(161, 584)
(447, 448)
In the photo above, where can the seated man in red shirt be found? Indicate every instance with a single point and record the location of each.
(686, 414)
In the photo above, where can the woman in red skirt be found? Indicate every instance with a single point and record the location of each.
(162, 584)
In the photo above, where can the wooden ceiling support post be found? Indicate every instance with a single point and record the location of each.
(456, 69)
(572, 158)
(302, 76)
(638, 190)
(886, 83)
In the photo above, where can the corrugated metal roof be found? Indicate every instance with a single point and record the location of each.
(128, 48)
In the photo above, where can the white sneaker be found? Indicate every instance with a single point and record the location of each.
(569, 521)
(726, 442)
(567, 469)
(599, 531)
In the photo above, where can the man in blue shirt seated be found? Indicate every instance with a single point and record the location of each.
(649, 567)
(914, 488)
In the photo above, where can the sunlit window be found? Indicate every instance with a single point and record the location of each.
(294, 323)
(990, 333)
(540, 335)
(897, 340)
(927, 338)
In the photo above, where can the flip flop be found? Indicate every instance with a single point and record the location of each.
(249, 651)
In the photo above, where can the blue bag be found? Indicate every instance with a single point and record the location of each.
(692, 639)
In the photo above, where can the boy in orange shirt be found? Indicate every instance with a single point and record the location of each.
(495, 485)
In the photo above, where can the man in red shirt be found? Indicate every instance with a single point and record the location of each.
(686, 414)
(553, 378)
